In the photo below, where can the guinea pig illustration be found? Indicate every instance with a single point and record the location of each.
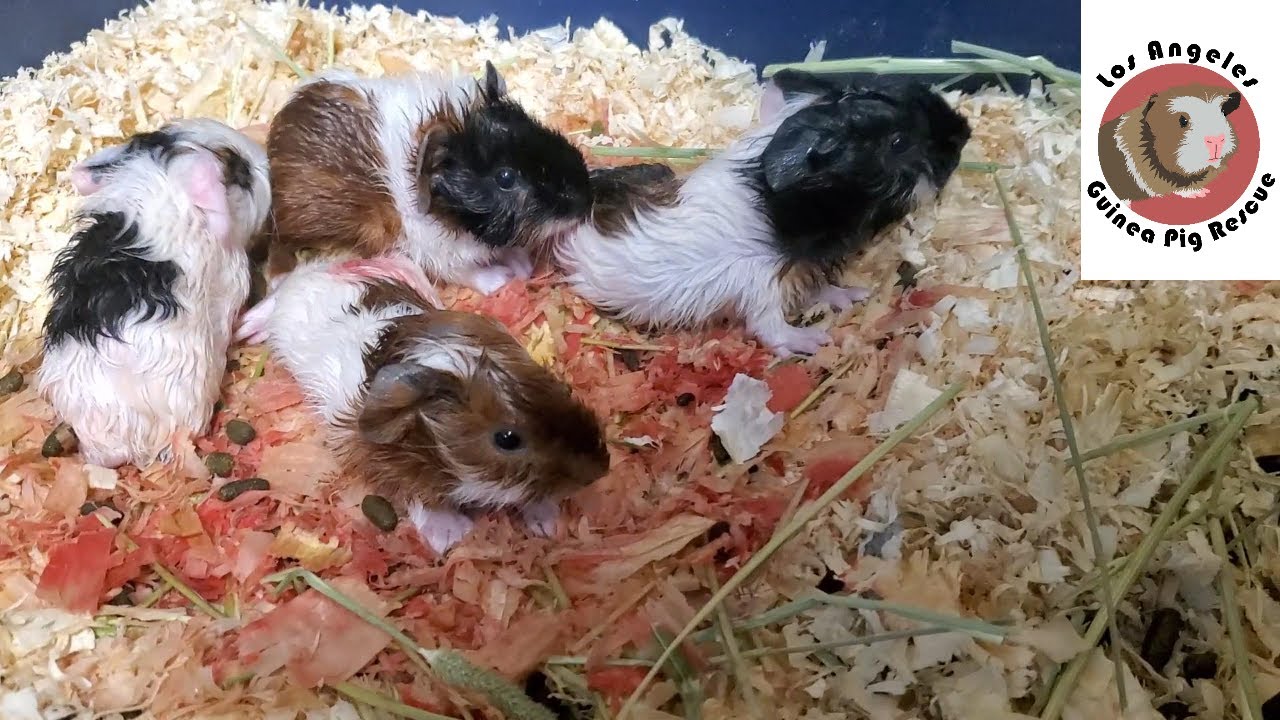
(764, 228)
(1176, 142)
(145, 294)
(442, 412)
(447, 170)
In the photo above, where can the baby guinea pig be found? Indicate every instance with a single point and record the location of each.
(145, 294)
(442, 412)
(764, 228)
(1177, 141)
(449, 171)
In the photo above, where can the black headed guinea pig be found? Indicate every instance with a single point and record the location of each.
(447, 170)
(764, 228)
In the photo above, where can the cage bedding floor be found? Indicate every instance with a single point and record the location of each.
(978, 515)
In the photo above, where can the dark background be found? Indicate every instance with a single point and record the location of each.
(758, 31)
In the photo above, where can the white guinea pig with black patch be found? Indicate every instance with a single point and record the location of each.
(442, 412)
(145, 294)
(1176, 142)
(446, 170)
(763, 229)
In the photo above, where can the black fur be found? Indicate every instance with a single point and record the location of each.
(838, 172)
(100, 280)
(1232, 104)
(235, 170)
(551, 182)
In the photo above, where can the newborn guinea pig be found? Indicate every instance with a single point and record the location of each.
(145, 294)
(764, 228)
(442, 412)
(448, 171)
(1177, 141)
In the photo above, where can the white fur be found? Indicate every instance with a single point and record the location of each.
(488, 494)
(404, 102)
(1205, 119)
(126, 399)
(710, 254)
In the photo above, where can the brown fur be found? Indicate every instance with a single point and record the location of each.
(434, 426)
(618, 193)
(1150, 133)
(326, 200)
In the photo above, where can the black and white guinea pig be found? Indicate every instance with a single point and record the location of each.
(145, 294)
(443, 412)
(449, 171)
(764, 228)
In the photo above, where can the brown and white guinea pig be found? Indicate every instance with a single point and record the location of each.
(764, 228)
(443, 412)
(1177, 141)
(449, 171)
(145, 294)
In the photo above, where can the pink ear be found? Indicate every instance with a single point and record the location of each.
(82, 180)
(770, 102)
(201, 179)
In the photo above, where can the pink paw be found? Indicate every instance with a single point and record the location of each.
(842, 298)
(792, 340)
(439, 529)
(541, 517)
(489, 279)
(252, 328)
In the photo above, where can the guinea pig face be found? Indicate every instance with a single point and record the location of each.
(1191, 128)
(891, 149)
(505, 435)
(506, 178)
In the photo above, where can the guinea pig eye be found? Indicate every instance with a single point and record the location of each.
(507, 440)
(1182, 121)
(898, 143)
(506, 178)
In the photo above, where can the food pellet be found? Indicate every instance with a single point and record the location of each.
(61, 441)
(12, 382)
(240, 432)
(236, 488)
(219, 463)
(380, 512)
(1162, 636)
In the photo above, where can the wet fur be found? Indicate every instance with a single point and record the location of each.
(729, 241)
(144, 294)
(409, 163)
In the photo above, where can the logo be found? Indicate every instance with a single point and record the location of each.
(1173, 174)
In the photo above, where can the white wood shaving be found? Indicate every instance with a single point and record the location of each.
(743, 422)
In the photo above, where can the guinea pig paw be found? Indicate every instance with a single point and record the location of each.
(440, 529)
(842, 298)
(791, 340)
(489, 279)
(519, 262)
(541, 517)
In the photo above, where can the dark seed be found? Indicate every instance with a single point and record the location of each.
(88, 507)
(219, 463)
(1270, 464)
(1244, 395)
(1175, 711)
(685, 399)
(882, 343)
(717, 450)
(907, 274)
(380, 512)
(236, 488)
(1162, 637)
(716, 531)
(1200, 666)
(630, 358)
(240, 432)
(124, 598)
(12, 382)
(830, 584)
(62, 441)
(1271, 708)
(753, 469)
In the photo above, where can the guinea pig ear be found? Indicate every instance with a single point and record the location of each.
(200, 174)
(1231, 104)
(1150, 102)
(796, 82)
(495, 86)
(394, 395)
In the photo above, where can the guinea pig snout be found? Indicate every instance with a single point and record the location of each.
(1214, 143)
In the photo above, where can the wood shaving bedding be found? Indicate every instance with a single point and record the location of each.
(979, 516)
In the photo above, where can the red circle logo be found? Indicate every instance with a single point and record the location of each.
(1179, 144)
